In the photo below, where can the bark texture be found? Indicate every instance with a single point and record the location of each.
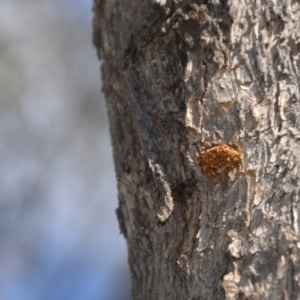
(183, 76)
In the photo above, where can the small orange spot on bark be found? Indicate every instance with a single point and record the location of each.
(218, 161)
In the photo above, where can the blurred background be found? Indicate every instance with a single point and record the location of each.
(59, 236)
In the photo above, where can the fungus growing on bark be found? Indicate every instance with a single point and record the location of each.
(218, 161)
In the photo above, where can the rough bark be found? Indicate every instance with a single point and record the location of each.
(180, 77)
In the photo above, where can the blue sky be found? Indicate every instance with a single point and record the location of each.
(59, 237)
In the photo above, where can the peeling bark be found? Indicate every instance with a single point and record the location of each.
(179, 78)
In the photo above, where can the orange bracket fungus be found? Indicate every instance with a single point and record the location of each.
(218, 161)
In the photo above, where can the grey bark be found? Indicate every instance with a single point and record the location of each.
(180, 77)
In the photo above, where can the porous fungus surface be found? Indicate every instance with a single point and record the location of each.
(218, 161)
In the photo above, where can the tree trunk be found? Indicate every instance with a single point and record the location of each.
(203, 102)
